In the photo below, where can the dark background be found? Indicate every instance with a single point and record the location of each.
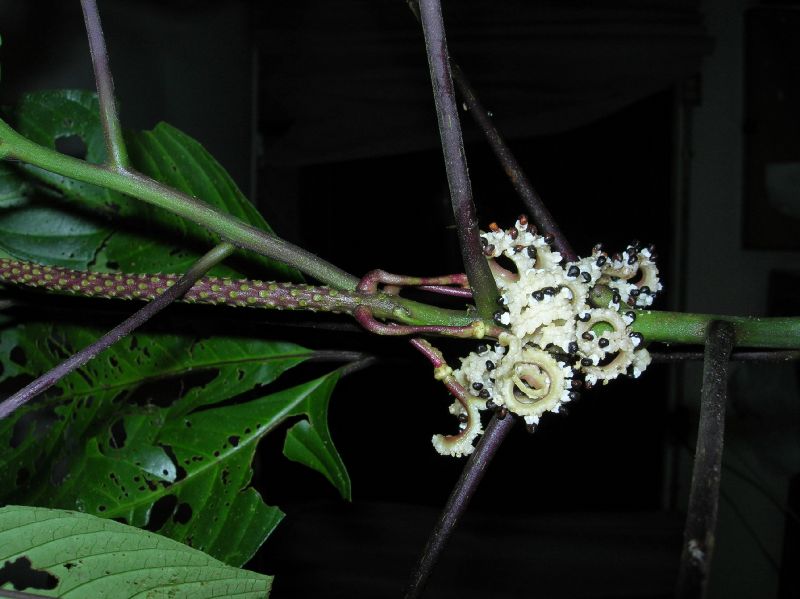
(323, 114)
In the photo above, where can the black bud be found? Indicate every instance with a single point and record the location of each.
(631, 314)
(574, 395)
(600, 260)
(484, 394)
(587, 278)
(490, 365)
(586, 362)
(587, 335)
(573, 271)
(549, 238)
(483, 348)
(572, 347)
(603, 342)
(463, 418)
(531, 252)
(477, 386)
(538, 295)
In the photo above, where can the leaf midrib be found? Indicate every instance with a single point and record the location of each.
(179, 371)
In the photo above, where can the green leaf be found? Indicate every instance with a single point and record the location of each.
(309, 443)
(14, 190)
(58, 553)
(137, 432)
(145, 238)
(36, 228)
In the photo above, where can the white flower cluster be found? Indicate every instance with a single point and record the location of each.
(556, 342)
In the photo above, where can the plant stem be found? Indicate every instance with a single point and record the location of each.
(115, 145)
(471, 476)
(536, 208)
(232, 292)
(123, 329)
(751, 331)
(15, 146)
(701, 521)
(667, 327)
(480, 277)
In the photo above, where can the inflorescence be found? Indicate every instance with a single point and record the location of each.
(555, 342)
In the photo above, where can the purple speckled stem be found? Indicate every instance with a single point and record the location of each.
(206, 290)
(248, 293)
(165, 296)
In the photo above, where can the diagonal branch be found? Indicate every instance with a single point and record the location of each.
(457, 503)
(475, 265)
(123, 329)
(115, 145)
(533, 202)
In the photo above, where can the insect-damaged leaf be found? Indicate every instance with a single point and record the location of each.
(141, 238)
(58, 553)
(136, 435)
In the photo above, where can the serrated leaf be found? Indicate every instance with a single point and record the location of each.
(145, 238)
(137, 429)
(72, 556)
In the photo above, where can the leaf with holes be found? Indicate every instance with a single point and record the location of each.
(137, 434)
(58, 553)
(33, 227)
(144, 238)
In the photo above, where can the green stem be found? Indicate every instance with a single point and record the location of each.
(15, 146)
(750, 331)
